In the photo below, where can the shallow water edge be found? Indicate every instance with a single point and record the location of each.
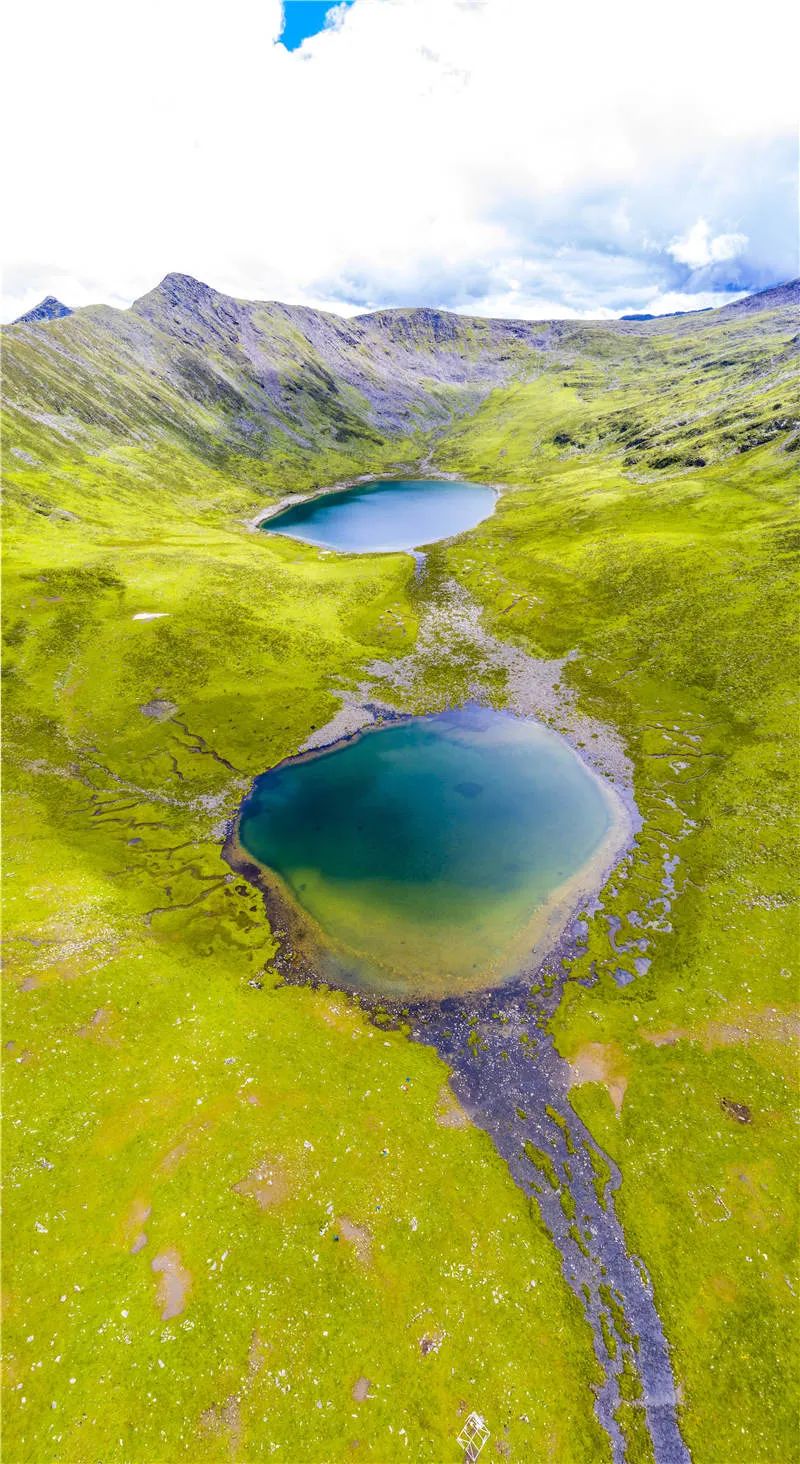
(308, 954)
(398, 473)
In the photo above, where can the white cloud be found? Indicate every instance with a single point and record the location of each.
(673, 301)
(698, 247)
(534, 159)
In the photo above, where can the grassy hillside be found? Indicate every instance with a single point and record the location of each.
(680, 597)
(349, 1266)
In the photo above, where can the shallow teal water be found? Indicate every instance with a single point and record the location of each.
(430, 856)
(384, 516)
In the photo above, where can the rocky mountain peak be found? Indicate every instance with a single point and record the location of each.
(48, 309)
(186, 292)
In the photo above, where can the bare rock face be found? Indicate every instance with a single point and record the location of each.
(48, 309)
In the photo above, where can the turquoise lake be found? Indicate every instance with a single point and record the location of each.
(431, 856)
(386, 515)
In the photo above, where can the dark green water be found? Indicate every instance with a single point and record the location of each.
(433, 856)
(387, 515)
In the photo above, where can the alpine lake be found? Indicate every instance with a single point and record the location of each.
(426, 856)
(385, 516)
(432, 855)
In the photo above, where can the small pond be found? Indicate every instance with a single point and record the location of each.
(385, 515)
(431, 856)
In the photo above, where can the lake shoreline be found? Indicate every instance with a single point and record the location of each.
(551, 930)
(291, 500)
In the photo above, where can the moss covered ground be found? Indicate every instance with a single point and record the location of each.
(343, 1266)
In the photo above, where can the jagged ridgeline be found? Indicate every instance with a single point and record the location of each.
(283, 397)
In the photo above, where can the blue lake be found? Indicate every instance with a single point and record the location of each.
(386, 515)
(432, 856)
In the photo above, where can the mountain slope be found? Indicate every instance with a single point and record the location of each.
(276, 396)
(229, 378)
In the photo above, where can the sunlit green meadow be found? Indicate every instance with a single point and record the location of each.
(352, 1267)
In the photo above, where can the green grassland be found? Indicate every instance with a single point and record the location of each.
(679, 594)
(329, 1214)
(155, 1064)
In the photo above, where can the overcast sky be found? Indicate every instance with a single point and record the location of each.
(504, 157)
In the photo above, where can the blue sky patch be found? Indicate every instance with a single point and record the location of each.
(304, 18)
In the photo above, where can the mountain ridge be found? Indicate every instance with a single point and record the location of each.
(281, 397)
(185, 292)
